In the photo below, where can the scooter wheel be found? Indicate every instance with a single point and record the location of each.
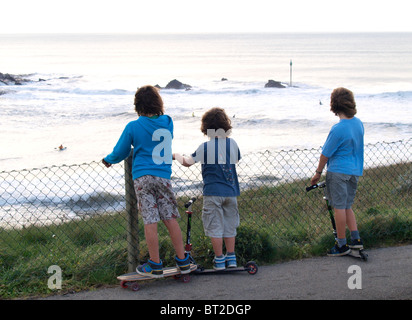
(363, 256)
(251, 267)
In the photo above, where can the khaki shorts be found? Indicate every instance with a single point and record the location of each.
(155, 198)
(341, 189)
(220, 216)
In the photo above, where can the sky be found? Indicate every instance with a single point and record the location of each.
(193, 16)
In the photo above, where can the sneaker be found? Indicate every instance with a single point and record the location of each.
(231, 261)
(151, 269)
(183, 265)
(219, 263)
(337, 251)
(356, 244)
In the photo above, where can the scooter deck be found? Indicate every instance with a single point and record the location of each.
(358, 253)
(251, 267)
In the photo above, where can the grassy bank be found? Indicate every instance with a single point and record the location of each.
(278, 222)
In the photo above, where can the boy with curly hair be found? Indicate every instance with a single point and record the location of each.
(218, 157)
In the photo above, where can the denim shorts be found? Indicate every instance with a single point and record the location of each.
(155, 198)
(220, 216)
(341, 189)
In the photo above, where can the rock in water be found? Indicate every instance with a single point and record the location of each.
(274, 84)
(176, 84)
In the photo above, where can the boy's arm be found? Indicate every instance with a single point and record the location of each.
(122, 149)
(185, 161)
(322, 163)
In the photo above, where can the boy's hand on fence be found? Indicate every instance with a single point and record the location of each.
(106, 163)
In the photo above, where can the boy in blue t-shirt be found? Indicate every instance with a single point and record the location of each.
(218, 157)
(343, 154)
(151, 136)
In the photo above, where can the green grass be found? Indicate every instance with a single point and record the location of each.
(278, 223)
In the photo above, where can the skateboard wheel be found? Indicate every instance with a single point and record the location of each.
(124, 285)
(185, 278)
(251, 267)
(135, 286)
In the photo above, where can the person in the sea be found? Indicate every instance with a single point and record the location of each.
(218, 157)
(151, 136)
(343, 153)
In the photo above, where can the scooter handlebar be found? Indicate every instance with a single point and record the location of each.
(191, 201)
(315, 186)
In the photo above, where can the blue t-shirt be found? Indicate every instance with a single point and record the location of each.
(152, 142)
(218, 158)
(344, 147)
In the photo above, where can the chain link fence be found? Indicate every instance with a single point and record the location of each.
(83, 218)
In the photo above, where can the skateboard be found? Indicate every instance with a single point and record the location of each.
(131, 279)
(251, 267)
(355, 252)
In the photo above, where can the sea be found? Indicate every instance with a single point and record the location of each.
(82, 89)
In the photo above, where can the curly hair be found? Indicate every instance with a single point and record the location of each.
(343, 101)
(147, 100)
(215, 119)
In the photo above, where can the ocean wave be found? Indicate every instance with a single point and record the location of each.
(275, 123)
(394, 95)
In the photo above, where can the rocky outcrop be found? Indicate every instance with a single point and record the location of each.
(274, 84)
(11, 79)
(176, 84)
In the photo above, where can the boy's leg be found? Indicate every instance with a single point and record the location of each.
(351, 220)
(340, 219)
(230, 252)
(356, 242)
(219, 262)
(230, 244)
(153, 267)
(217, 244)
(152, 241)
(182, 259)
(176, 237)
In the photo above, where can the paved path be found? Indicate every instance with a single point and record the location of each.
(386, 275)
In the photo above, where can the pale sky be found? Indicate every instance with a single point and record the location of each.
(192, 16)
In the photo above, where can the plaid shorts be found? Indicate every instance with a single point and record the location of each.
(155, 198)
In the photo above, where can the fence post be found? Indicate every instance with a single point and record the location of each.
(131, 210)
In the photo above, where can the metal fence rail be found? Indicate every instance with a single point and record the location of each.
(83, 218)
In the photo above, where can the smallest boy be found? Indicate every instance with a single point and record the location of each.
(218, 157)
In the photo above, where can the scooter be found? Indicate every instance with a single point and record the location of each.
(355, 252)
(251, 267)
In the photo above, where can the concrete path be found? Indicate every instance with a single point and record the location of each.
(386, 275)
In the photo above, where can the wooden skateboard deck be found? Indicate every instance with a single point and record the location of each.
(133, 277)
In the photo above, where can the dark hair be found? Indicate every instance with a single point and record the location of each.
(343, 101)
(147, 100)
(216, 118)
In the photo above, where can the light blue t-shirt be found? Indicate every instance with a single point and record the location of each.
(152, 142)
(219, 157)
(344, 147)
